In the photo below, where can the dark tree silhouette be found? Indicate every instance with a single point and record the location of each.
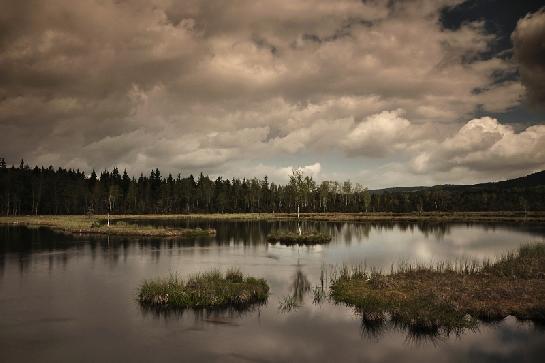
(39, 190)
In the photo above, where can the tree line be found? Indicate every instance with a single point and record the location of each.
(40, 190)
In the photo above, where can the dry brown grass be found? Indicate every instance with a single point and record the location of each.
(482, 217)
(449, 298)
(97, 225)
(429, 216)
(537, 217)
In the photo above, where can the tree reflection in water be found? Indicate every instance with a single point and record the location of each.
(300, 286)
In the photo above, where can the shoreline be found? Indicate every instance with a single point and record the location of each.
(120, 223)
(78, 224)
(515, 216)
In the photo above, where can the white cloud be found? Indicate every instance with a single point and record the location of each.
(279, 174)
(223, 86)
(378, 134)
(484, 145)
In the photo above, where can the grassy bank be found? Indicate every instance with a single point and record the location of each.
(483, 217)
(207, 290)
(537, 217)
(293, 238)
(98, 225)
(480, 217)
(447, 298)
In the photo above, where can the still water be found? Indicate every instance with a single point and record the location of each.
(73, 298)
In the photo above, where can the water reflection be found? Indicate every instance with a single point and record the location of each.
(252, 231)
(374, 325)
(300, 287)
(63, 295)
(26, 241)
(218, 316)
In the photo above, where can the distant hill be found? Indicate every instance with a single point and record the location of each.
(399, 190)
(531, 180)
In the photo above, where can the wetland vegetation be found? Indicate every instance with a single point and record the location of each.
(93, 271)
(448, 297)
(117, 225)
(293, 238)
(208, 290)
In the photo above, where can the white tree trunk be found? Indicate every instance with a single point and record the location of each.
(109, 208)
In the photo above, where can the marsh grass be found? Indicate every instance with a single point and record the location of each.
(98, 225)
(482, 217)
(289, 303)
(293, 238)
(208, 290)
(527, 263)
(319, 295)
(447, 298)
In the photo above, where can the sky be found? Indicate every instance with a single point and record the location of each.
(384, 93)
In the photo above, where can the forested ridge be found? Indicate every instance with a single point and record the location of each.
(40, 190)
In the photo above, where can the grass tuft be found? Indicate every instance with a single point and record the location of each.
(205, 290)
(234, 275)
(292, 238)
(289, 303)
(318, 295)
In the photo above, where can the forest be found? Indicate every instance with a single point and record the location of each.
(47, 190)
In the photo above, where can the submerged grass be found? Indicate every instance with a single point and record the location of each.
(210, 290)
(448, 298)
(318, 295)
(293, 238)
(98, 225)
(288, 304)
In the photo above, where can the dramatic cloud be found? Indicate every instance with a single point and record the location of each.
(384, 133)
(484, 145)
(229, 87)
(481, 149)
(529, 46)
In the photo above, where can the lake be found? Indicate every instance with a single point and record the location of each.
(73, 298)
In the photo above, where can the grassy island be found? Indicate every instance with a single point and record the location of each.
(206, 290)
(447, 298)
(293, 238)
(98, 225)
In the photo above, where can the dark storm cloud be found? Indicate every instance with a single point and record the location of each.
(221, 86)
(500, 18)
(529, 46)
